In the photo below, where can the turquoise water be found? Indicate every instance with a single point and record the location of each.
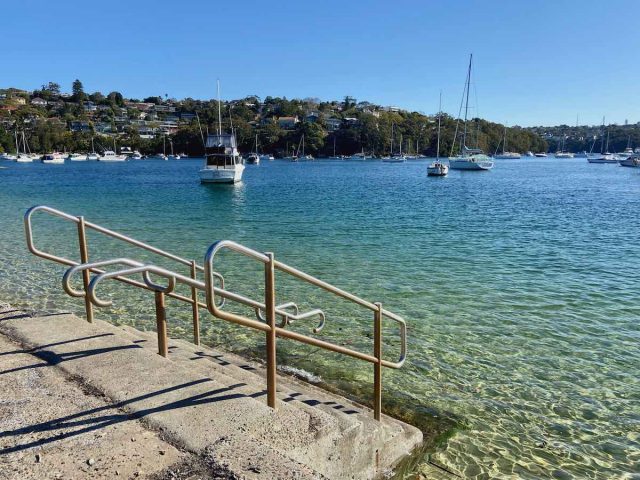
(520, 287)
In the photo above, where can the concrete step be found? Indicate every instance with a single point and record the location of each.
(353, 420)
(215, 403)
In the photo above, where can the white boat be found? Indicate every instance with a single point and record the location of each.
(23, 158)
(136, 155)
(9, 157)
(53, 158)
(505, 155)
(437, 168)
(469, 158)
(529, 153)
(394, 157)
(561, 154)
(77, 157)
(253, 158)
(111, 156)
(222, 162)
(582, 154)
(540, 154)
(265, 156)
(605, 156)
(632, 161)
(93, 156)
(126, 151)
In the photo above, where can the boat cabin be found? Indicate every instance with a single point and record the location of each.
(221, 150)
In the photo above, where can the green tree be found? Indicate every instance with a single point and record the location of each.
(78, 91)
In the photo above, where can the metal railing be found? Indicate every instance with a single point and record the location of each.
(216, 296)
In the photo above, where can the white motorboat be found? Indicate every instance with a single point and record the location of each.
(560, 154)
(540, 154)
(9, 157)
(505, 155)
(77, 157)
(53, 158)
(437, 168)
(529, 153)
(627, 151)
(469, 158)
(126, 151)
(136, 155)
(23, 158)
(582, 154)
(111, 156)
(222, 162)
(266, 157)
(631, 161)
(395, 159)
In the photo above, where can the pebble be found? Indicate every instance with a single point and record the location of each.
(91, 462)
(162, 452)
(38, 458)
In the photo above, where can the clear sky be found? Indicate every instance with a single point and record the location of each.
(536, 62)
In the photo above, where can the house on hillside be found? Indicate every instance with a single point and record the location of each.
(89, 106)
(288, 123)
(333, 123)
(39, 102)
(79, 126)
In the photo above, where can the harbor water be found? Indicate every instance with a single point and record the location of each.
(519, 286)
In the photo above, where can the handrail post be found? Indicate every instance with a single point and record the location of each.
(270, 307)
(377, 367)
(194, 306)
(84, 258)
(161, 323)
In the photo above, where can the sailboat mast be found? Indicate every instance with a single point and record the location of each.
(466, 104)
(602, 137)
(219, 110)
(439, 116)
(391, 154)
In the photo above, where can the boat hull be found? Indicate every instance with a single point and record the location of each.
(222, 175)
(629, 162)
(437, 170)
(602, 160)
(468, 164)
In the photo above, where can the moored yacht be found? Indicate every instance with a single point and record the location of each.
(631, 161)
(540, 154)
(54, 158)
(605, 156)
(437, 168)
(469, 158)
(111, 156)
(253, 158)
(505, 155)
(223, 163)
(528, 153)
(77, 157)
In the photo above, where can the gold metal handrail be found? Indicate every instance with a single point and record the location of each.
(288, 312)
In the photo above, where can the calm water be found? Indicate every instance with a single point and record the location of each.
(520, 287)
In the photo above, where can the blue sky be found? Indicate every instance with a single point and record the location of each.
(536, 62)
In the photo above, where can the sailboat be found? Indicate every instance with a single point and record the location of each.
(394, 158)
(437, 168)
(223, 163)
(253, 158)
(505, 155)
(24, 156)
(605, 156)
(469, 158)
(93, 155)
(334, 157)
(561, 153)
(303, 156)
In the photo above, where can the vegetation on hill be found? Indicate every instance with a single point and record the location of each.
(69, 122)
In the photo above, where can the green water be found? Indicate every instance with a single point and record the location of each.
(520, 287)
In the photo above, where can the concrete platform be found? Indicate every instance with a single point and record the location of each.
(213, 403)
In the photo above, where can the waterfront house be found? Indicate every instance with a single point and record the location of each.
(288, 123)
(89, 106)
(312, 117)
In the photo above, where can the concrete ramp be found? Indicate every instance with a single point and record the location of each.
(214, 403)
